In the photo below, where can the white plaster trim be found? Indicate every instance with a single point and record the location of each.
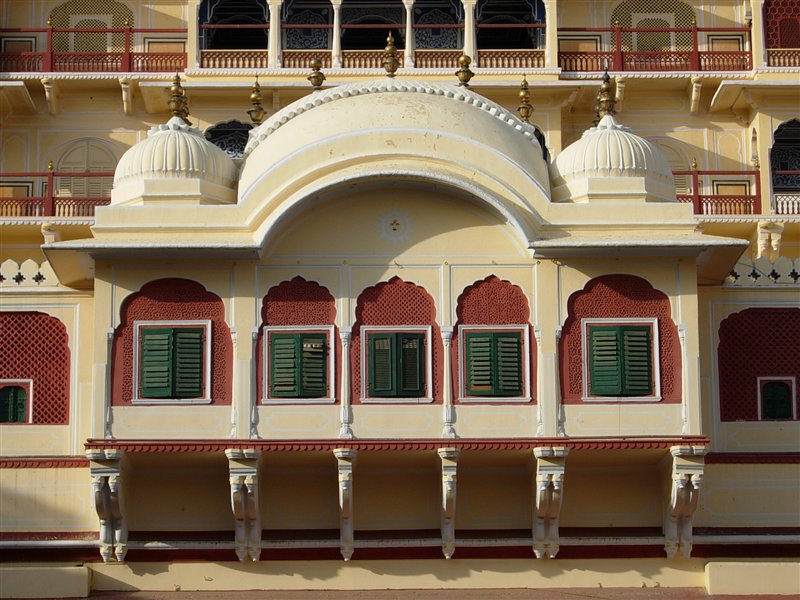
(206, 399)
(655, 359)
(365, 331)
(462, 371)
(330, 375)
(782, 379)
(27, 384)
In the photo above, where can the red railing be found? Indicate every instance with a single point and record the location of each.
(687, 56)
(718, 203)
(52, 203)
(783, 57)
(120, 58)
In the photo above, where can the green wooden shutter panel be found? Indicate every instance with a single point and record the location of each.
(13, 404)
(509, 364)
(636, 361)
(479, 363)
(382, 367)
(284, 365)
(188, 362)
(156, 363)
(776, 398)
(412, 365)
(605, 366)
(314, 381)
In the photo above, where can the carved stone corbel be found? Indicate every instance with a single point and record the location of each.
(550, 466)
(686, 479)
(127, 95)
(695, 88)
(51, 93)
(619, 94)
(345, 458)
(243, 469)
(105, 467)
(449, 460)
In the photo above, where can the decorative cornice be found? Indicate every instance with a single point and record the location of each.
(87, 76)
(753, 458)
(755, 219)
(658, 74)
(375, 72)
(48, 220)
(177, 446)
(45, 462)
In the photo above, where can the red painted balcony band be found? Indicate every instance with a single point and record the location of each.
(52, 204)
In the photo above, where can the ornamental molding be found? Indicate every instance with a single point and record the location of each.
(594, 75)
(762, 272)
(115, 76)
(373, 72)
(46, 220)
(45, 462)
(777, 69)
(26, 275)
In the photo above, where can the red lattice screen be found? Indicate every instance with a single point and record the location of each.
(172, 300)
(617, 297)
(757, 342)
(492, 302)
(782, 23)
(395, 303)
(35, 346)
(297, 303)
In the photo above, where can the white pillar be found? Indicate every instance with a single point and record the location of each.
(448, 431)
(336, 51)
(551, 35)
(275, 50)
(346, 416)
(411, 44)
(344, 461)
(449, 460)
(470, 48)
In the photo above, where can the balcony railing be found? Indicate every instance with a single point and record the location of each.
(56, 201)
(783, 57)
(614, 52)
(786, 192)
(121, 57)
(727, 186)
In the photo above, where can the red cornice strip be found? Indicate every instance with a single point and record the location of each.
(753, 458)
(45, 462)
(637, 443)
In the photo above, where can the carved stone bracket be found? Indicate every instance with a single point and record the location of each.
(51, 94)
(345, 459)
(105, 467)
(243, 469)
(686, 478)
(449, 459)
(550, 466)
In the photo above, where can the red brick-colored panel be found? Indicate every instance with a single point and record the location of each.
(35, 346)
(172, 299)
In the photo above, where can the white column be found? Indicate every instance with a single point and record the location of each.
(469, 31)
(551, 35)
(448, 431)
(344, 459)
(346, 416)
(336, 51)
(275, 50)
(758, 41)
(449, 460)
(411, 44)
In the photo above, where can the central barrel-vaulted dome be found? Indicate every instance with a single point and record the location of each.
(396, 129)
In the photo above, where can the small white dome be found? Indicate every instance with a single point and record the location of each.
(612, 150)
(172, 151)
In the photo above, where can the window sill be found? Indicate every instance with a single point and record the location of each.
(494, 400)
(285, 401)
(621, 399)
(396, 400)
(169, 401)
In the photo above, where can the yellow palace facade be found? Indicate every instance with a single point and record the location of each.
(406, 294)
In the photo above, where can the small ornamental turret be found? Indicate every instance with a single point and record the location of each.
(464, 73)
(604, 104)
(178, 103)
(525, 108)
(390, 60)
(316, 77)
(257, 111)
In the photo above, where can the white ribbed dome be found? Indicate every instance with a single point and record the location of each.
(612, 150)
(172, 151)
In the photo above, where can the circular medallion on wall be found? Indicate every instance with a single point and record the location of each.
(395, 226)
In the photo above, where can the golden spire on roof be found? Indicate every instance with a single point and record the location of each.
(464, 73)
(390, 61)
(257, 111)
(525, 108)
(316, 77)
(604, 104)
(178, 103)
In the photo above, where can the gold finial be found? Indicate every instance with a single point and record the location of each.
(464, 73)
(257, 111)
(49, 22)
(50, 165)
(316, 77)
(127, 23)
(604, 104)
(694, 164)
(390, 61)
(525, 108)
(178, 103)
(616, 23)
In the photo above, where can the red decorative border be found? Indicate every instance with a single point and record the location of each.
(642, 443)
(44, 536)
(753, 458)
(45, 462)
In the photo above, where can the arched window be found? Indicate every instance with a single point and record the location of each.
(234, 12)
(86, 156)
(13, 404)
(105, 14)
(514, 14)
(633, 14)
(784, 161)
(231, 137)
(679, 161)
(782, 23)
(388, 16)
(316, 35)
(438, 12)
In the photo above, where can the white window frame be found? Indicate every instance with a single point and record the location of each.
(791, 380)
(463, 397)
(586, 324)
(138, 326)
(328, 331)
(364, 334)
(27, 384)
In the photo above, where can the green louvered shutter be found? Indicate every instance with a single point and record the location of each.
(637, 368)
(605, 366)
(284, 358)
(313, 366)
(188, 343)
(776, 399)
(412, 364)
(13, 404)
(508, 351)
(156, 369)
(479, 364)
(382, 365)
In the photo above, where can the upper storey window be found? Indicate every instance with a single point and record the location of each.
(234, 24)
(398, 363)
(300, 363)
(505, 24)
